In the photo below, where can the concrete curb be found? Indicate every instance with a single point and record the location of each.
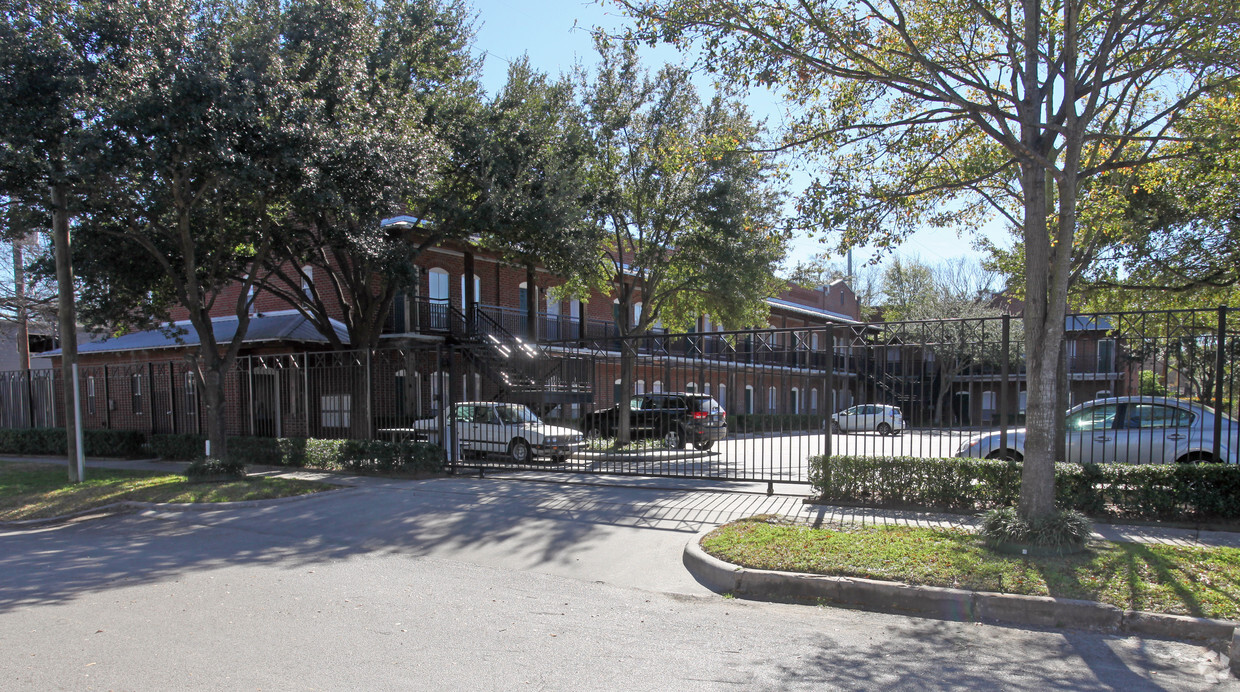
(127, 506)
(956, 604)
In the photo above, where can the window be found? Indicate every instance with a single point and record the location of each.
(135, 393)
(772, 399)
(813, 400)
(307, 276)
(477, 291)
(794, 401)
(334, 410)
(1156, 416)
(706, 389)
(657, 387)
(1106, 355)
(637, 313)
(813, 341)
(988, 400)
(691, 387)
(438, 400)
(639, 387)
(748, 398)
(191, 394)
(723, 395)
(90, 394)
(1092, 418)
(399, 383)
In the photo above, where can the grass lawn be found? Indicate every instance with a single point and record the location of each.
(36, 491)
(1203, 582)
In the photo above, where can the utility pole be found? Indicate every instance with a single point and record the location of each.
(68, 332)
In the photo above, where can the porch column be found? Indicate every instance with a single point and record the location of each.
(531, 305)
(470, 299)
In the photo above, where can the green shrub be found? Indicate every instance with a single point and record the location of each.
(215, 469)
(1065, 530)
(1180, 491)
(96, 443)
(183, 447)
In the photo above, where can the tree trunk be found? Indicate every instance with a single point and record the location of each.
(628, 362)
(19, 295)
(214, 402)
(68, 321)
(1037, 487)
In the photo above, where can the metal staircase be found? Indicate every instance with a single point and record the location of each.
(523, 371)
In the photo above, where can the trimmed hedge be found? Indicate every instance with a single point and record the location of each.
(98, 443)
(377, 456)
(1177, 492)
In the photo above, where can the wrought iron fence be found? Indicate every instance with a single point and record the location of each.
(788, 394)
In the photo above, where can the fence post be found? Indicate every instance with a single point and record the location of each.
(828, 399)
(150, 407)
(1005, 369)
(250, 380)
(1219, 364)
(370, 400)
(107, 400)
(172, 397)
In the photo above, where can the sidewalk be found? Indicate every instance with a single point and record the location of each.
(726, 500)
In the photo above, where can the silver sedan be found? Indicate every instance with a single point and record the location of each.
(1127, 430)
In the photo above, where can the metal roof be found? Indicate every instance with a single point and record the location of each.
(285, 325)
(807, 310)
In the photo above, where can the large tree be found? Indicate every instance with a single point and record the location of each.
(60, 62)
(202, 151)
(937, 111)
(388, 89)
(690, 217)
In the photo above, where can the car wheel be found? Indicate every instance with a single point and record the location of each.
(519, 450)
(672, 439)
(703, 445)
(835, 427)
(594, 433)
(884, 428)
(1196, 458)
(1005, 455)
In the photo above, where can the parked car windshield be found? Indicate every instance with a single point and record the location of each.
(516, 413)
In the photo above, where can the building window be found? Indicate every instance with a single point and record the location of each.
(135, 393)
(307, 276)
(1106, 355)
(334, 409)
(772, 399)
(657, 387)
(794, 401)
(639, 387)
(691, 388)
(400, 392)
(477, 291)
(748, 398)
(191, 394)
(723, 395)
(813, 400)
(90, 395)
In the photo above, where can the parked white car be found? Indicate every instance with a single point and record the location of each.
(488, 427)
(882, 419)
(1127, 430)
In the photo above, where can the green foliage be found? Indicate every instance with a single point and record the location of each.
(1151, 384)
(374, 456)
(215, 469)
(1064, 530)
(1180, 492)
(51, 441)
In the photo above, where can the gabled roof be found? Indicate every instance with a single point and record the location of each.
(282, 326)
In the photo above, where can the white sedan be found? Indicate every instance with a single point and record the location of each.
(1128, 430)
(882, 419)
(487, 426)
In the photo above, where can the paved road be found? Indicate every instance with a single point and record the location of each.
(486, 584)
(783, 458)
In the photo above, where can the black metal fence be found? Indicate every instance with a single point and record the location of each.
(788, 394)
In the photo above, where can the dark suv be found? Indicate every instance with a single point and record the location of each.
(677, 419)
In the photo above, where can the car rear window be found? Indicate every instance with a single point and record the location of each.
(706, 404)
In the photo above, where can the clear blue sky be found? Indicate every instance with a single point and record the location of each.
(556, 34)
